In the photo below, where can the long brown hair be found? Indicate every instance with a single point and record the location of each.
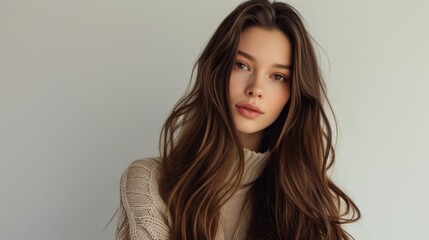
(294, 198)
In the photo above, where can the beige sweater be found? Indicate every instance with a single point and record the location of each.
(143, 214)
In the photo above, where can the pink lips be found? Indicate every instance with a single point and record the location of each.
(248, 110)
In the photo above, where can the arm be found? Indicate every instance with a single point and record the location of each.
(142, 213)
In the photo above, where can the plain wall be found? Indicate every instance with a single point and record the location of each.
(86, 85)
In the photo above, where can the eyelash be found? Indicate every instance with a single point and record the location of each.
(238, 64)
(244, 66)
(284, 79)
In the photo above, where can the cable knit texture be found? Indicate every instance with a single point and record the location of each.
(142, 213)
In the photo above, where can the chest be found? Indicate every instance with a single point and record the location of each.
(234, 218)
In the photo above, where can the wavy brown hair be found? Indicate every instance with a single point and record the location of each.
(294, 198)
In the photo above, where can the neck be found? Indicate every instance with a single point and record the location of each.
(251, 141)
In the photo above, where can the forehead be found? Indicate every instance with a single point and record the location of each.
(266, 45)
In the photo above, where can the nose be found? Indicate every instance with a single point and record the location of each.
(253, 93)
(254, 89)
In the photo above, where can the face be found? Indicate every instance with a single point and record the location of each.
(259, 85)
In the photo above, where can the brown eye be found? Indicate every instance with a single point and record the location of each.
(279, 77)
(241, 65)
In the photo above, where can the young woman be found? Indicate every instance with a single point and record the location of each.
(245, 153)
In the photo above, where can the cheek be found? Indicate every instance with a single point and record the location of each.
(234, 86)
(277, 103)
(279, 97)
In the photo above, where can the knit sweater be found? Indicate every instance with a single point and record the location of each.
(142, 214)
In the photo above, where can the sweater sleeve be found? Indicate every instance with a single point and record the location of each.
(142, 213)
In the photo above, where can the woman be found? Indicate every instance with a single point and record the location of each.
(245, 153)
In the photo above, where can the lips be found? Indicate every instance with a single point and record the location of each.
(249, 106)
(248, 110)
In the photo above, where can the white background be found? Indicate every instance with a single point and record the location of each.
(85, 86)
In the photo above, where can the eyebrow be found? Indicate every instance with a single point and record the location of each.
(253, 59)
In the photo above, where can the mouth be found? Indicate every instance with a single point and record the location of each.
(248, 110)
(249, 107)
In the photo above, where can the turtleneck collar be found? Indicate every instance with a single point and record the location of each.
(254, 164)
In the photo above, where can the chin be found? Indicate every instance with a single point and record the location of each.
(248, 130)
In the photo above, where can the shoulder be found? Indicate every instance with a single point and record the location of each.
(140, 198)
(146, 167)
(148, 164)
(141, 177)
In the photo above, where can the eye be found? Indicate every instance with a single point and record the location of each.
(280, 77)
(241, 65)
